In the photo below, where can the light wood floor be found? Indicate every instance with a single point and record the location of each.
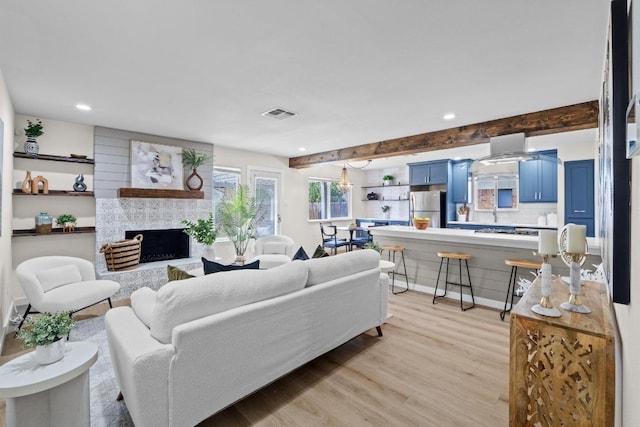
(434, 366)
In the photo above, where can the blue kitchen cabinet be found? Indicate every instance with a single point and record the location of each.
(428, 173)
(459, 185)
(539, 179)
(579, 194)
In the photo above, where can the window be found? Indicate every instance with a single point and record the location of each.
(225, 184)
(500, 192)
(326, 201)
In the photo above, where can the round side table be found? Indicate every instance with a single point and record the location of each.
(49, 395)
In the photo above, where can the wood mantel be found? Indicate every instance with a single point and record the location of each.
(152, 193)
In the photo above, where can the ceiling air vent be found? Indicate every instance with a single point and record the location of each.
(279, 113)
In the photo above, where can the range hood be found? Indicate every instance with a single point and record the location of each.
(509, 149)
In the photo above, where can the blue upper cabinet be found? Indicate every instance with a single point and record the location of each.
(579, 194)
(427, 173)
(539, 180)
(459, 185)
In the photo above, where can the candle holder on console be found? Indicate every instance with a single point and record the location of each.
(547, 247)
(573, 250)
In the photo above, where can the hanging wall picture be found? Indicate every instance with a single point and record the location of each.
(156, 166)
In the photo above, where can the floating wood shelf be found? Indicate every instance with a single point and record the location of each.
(150, 193)
(55, 231)
(53, 158)
(17, 192)
(385, 186)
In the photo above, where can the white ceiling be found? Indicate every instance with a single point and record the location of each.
(356, 71)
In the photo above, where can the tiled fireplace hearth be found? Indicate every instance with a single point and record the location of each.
(116, 216)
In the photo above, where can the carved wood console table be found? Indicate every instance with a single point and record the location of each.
(562, 370)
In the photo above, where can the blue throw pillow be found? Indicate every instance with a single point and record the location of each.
(301, 254)
(214, 267)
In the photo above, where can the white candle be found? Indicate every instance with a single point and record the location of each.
(547, 242)
(576, 238)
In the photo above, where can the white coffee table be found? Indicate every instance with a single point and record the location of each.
(49, 395)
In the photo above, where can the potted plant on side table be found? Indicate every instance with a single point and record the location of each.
(47, 332)
(239, 217)
(193, 160)
(204, 232)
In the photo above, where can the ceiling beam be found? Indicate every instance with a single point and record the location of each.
(555, 120)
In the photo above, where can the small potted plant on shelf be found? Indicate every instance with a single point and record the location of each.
(204, 232)
(32, 131)
(387, 179)
(385, 211)
(193, 160)
(68, 222)
(47, 332)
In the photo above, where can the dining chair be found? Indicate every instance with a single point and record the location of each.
(330, 238)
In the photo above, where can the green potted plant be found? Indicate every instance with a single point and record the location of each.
(32, 131)
(66, 219)
(47, 332)
(239, 217)
(387, 179)
(204, 232)
(385, 210)
(193, 160)
(373, 245)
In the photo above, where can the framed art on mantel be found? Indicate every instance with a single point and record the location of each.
(156, 166)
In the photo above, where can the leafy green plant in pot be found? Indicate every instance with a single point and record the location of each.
(66, 219)
(32, 131)
(239, 216)
(386, 210)
(373, 245)
(387, 179)
(204, 232)
(47, 332)
(193, 160)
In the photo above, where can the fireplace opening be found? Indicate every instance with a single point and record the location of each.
(161, 245)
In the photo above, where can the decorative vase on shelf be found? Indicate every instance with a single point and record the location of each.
(26, 184)
(31, 147)
(48, 354)
(208, 252)
(386, 214)
(194, 181)
(43, 223)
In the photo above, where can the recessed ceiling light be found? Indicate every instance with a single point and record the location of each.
(449, 116)
(302, 149)
(83, 107)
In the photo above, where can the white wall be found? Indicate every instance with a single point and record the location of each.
(6, 270)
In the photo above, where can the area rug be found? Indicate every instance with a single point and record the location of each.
(105, 410)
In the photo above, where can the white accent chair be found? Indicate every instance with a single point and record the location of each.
(60, 283)
(273, 251)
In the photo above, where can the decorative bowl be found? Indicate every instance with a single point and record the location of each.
(421, 224)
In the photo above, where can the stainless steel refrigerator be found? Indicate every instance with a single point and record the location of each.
(432, 204)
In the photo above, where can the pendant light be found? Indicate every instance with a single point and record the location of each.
(344, 185)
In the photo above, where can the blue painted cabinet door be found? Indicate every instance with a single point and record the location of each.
(548, 172)
(418, 174)
(579, 194)
(438, 172)
(528, 181)
(459, 185)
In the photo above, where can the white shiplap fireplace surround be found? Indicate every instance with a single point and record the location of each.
(115, 215)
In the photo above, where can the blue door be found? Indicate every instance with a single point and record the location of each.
(579, 194)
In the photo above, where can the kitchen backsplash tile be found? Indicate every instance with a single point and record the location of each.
(527, 213)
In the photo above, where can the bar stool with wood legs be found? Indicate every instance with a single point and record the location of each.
(511, 286)
(393, 249)
(459, 256)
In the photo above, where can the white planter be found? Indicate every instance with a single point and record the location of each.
(47, 354)
(209, 253)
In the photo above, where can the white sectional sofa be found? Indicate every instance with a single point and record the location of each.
(198, 345)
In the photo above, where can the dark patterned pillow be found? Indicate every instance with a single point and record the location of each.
(301, 254)
(213, 267)
(174, 273)
(319, 252)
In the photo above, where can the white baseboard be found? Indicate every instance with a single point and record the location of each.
(452, 295)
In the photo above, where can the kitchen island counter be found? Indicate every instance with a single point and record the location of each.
(489, 273)
(469, 237)
(495, 224)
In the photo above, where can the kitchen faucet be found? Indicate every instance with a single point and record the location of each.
(495, 214)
